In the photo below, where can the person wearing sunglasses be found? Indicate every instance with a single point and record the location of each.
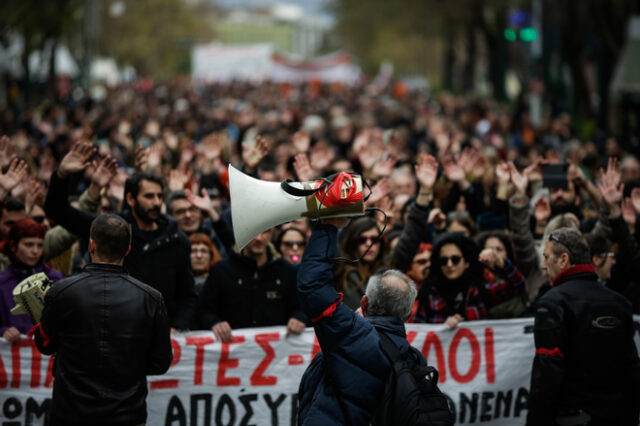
(291, 243)
(360, 241)
(462, 283)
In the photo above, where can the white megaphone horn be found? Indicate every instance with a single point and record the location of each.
(258, 205)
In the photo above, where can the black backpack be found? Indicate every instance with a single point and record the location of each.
(411, 394)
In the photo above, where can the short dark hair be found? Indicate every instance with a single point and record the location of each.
(11, 204)
(111, 235)
(132, 185)
(175, 195)
(572, 242)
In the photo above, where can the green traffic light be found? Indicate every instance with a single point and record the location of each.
(510, 34)
(528, 34)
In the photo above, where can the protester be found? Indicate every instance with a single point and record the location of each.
(291, 243)
(107, 331)
(252, 288)
(361, 241)
(584, 336)
(24, 247)
(160, 251)
(203, 255)
(350, 343)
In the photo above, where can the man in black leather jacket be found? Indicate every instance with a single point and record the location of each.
(586, 369)
(107, 331)
(160, 253)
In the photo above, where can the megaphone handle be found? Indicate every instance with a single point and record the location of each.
(297, 192)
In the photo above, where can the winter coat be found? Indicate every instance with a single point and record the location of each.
(344, 383)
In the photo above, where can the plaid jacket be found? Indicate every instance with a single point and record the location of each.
(479, 298)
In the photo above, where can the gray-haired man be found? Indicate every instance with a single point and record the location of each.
(345, 382)
(586, 369)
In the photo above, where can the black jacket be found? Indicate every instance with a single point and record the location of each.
(107, 331)
(245, 295)
(585, 355)
(162, 260)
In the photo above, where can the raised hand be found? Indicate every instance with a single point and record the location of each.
(453, 170)
(426, 171)
(141, 162)
(384, 166)
(178, 179)
(34, 194)
(201, 202)
(469, 159)
(301, 141)
(5, 152)
(378, 191)
(613, 173)
(212, 146)
(635, 199)
(302, 167)
(105, 170)
(321, 155)
(491, 259)
(542, 210)
(15, 174)
(77, 159)
(503, 174)
(438, 219)
(253, 154)
(611, 192)
(533, 172)
(519, 180)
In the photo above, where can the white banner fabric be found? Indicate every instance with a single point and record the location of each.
(484, 368)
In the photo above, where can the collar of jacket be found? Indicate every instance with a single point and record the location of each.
(391, 325)
(105, 267)
(582, 271)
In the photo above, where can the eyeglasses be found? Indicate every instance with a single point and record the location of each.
(291, 244)
(200, 251)
(421, 261)
(180, 212)
(455, 259)
(365, 240)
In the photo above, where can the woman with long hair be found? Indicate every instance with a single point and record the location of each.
(356, 243)
(463, 284)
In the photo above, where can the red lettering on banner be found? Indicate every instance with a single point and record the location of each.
(15, 361)
(489, 355)
(411, 336)
(48, 380)
(316, 347)
(199, 343)
(227, 363)
(433, 339)
(170, 383)
(257, 377)
(475, 356)
(296, 359)
(4, 380)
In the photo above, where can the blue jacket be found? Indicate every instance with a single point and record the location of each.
(344, 383)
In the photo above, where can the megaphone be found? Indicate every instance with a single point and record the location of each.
(258, 205)
(29, 296)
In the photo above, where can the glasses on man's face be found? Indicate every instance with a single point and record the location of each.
(292, 244)
(455, 259)
(182, 212)
(196, 251)
(366, 240)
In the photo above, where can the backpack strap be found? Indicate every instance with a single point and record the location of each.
(389, 348)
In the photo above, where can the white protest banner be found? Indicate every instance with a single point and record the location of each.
(484, 368)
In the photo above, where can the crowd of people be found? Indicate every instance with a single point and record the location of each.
(460, 182)
(464, 200)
